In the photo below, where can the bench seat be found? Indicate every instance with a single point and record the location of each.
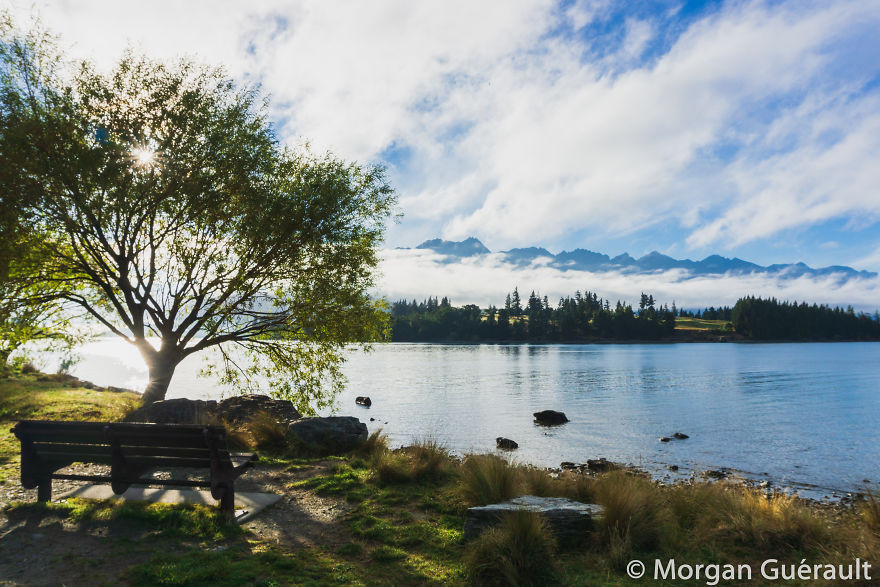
(131, 450)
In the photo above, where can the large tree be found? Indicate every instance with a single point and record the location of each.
(171, 215)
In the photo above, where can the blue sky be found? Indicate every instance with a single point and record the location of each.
(744, 128)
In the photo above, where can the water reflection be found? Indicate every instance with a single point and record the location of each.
(804, 412)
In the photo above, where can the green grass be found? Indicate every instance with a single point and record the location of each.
(699, 324)
(23, 397)
(184, 522)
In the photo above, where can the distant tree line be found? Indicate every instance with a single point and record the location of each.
(581, 317)
(710, 313)
(587, 317)
(769, 319)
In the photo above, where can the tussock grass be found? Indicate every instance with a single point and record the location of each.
(731, 515)
(487, 478)
(535, 481)
(520, 551)
(266, 432)
(425, 461)
(374, 446)
(869, 512)
(636, 516)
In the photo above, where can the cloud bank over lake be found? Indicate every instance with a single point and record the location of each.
(485, 279)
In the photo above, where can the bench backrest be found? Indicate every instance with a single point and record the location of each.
(142, 445)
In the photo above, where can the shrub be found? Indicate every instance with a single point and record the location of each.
(520, 551)
(485, 479)
(28, 367)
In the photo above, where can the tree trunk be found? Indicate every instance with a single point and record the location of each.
(161, 369)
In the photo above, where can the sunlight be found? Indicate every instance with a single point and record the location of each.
(143, 157)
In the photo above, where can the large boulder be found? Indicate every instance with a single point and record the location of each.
(329, 434)
(550, 418)
(236, 410)
(243, 408)
(176, 411)
(569, 520)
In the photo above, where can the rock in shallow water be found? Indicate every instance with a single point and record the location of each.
(569, 520)
(505, 443)
(550, 417)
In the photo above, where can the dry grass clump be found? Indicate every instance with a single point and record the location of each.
(636, 516)
(869, 512)
(373, 447)
(519, 551)
(733, 514)
(266, 432)
(488, 478)
(425, 461)
(431, 461)
(535, 481)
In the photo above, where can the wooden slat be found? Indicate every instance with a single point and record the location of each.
(87, 450)
(162, 462)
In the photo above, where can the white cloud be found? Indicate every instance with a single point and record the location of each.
(520, 136)
(484, 280)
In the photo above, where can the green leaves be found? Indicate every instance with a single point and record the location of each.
(169, 209)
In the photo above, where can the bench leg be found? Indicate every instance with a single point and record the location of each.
(44, 489)
(227, 501)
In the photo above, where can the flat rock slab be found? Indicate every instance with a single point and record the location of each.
(569, 520)
(247, 504)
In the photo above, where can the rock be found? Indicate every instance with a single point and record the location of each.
(330, 434)
(176, 411)
(716, 474)
(240, 409)
(673, 467)
(680, 436)
(600, 465)
(363, 400)
(568, 465)
(505, 443)
(235, 411)
(372, 419)
(569, 520)
(550, 418)
(665, 439)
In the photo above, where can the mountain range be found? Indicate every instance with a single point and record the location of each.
(653, 262)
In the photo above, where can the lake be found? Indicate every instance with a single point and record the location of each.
(802, 415)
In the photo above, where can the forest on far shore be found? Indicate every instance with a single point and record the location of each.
(586, 317)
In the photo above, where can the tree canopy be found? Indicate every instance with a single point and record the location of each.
(168, 211)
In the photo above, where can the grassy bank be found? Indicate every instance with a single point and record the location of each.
(404, 514)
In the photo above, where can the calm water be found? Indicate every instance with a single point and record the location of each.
(791, 413)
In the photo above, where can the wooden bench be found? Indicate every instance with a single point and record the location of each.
(132, 450)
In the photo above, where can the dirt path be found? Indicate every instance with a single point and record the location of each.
(44, 549)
